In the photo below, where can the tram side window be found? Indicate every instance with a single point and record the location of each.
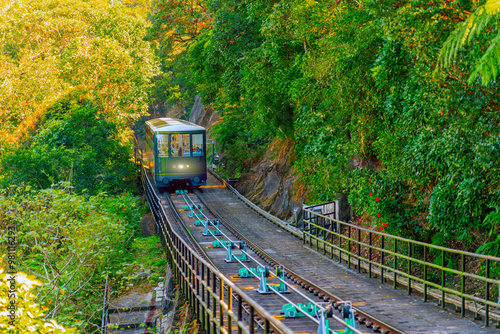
(197, 145)
(180, 145)
(162, 145)
(174, 145)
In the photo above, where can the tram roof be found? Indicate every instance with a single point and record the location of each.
(172, 125)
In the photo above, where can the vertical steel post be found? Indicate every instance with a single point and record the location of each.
(214, 297)
(240, 313)
(443, 279)
(332, 229)
(359, 250)
(317, 235)
(221, 299)
(252, 320)
(462, 311)
(229, 307)
(340, 248)
(208, 286)
(409, 267)
(310, 232)
(324, 236)
(395, 263)
(304, 227)
(370, 255)
(382, 261)
(349, 248)
(487, 295)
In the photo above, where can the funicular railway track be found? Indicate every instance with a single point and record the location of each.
(405, 313)
(368, 321)
(236, 229)
(179, 219)
(232, 258)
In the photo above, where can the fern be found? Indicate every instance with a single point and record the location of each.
(488, 66)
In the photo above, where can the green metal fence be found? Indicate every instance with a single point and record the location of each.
(467, 280)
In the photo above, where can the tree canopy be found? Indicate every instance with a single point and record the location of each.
(360, 88)
(93, 49)
(74, 75)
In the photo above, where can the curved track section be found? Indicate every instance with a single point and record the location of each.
(270, 282)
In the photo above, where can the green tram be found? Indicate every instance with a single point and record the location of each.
(176, 152)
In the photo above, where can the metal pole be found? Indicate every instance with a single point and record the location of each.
(104, 307)
(487, 295)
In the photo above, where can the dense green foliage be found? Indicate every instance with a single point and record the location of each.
(73, 75)
(488, 66)
(357, 86)
(68, 242)
(49, 48)
(76, 144)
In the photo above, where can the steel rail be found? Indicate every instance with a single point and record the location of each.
(206, 218)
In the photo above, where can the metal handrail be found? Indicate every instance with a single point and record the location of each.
(399, 261)
(295, 231)
(451, 250)
(204, 285)
(104, 320)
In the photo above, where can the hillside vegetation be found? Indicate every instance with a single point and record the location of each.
(394, 104)
(359, 86)
(74, 75)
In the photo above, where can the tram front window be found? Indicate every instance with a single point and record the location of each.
(180, 145)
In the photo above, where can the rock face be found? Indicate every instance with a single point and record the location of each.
(272, 183)
(202, 115)
(196, 110)
(161, 110)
